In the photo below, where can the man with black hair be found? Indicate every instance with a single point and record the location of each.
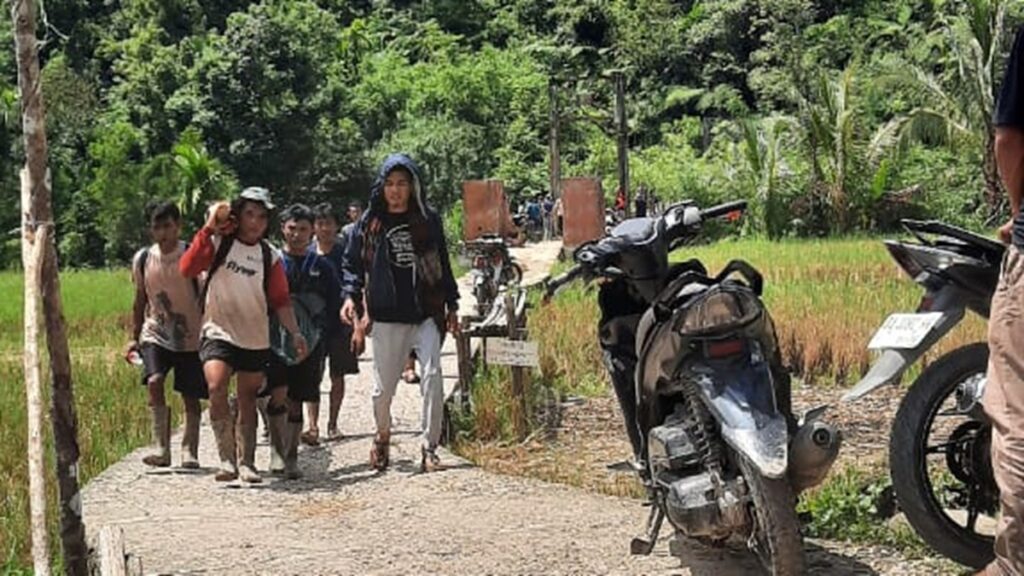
(1004, 391)
(344, 343)
(165, 333)
(315, 296)
(399, 253)
(245, 284)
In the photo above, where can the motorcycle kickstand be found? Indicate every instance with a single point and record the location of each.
(644, 545)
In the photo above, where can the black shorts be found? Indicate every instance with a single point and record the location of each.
(339, 353)
(302, 380)
(188, 370)
(240, 359)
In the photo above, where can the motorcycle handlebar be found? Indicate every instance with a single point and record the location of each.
(557, 282)
(723, 209)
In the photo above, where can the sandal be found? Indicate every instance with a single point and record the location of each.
(311, 438)
(410, 377)
(429, 461)
(379, 454)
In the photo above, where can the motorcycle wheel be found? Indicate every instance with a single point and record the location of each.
(512, 274)
(908, 458)
(775, 535)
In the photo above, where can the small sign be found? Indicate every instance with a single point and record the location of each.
(904, 331)
(505, 352)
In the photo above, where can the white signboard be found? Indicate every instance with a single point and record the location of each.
(505, 352)
(904, 331)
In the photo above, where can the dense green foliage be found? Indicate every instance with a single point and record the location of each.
(833, 115)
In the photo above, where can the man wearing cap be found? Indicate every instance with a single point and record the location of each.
(245, 283)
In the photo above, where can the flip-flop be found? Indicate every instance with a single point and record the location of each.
(310, 438)
(414, 379)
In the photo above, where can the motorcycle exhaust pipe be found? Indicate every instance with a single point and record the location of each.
(813, 450)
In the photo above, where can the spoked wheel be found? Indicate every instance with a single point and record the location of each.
(512, 274)
(775, 535)
(939, 455)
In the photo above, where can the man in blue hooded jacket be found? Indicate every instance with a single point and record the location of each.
(398, 253)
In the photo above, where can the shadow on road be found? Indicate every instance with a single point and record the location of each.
(734, 560)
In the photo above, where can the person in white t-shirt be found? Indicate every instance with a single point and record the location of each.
(245, 283)
(165, 333)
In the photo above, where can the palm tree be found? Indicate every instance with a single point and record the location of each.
(762, 145)
(957, 108)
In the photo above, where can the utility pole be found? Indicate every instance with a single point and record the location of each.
(37, 215)
(622, 132)
(553, 144)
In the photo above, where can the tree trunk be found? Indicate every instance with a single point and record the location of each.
(39, 214)
(995, 195)
(32, 255)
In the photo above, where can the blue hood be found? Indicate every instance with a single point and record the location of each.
(390, 163)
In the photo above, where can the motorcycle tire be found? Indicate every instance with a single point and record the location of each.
(512, 274)
(907, 458)
(776, 522)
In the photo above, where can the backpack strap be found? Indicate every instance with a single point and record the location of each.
(218, 260)
(268, 260)
(142, 256)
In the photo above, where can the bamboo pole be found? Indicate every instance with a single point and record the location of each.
(38, 214)
(32, 254)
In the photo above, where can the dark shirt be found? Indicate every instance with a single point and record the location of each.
(1010, 110)
(641, 207)
(313, 281)
(397, 242)
(336, 257)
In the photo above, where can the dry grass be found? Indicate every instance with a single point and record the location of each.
(827, 298)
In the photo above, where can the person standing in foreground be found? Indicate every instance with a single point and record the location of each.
(315, 295)
(1004, 392)
(344, 343)
(245, 283)
(165, 333)
(398, 252)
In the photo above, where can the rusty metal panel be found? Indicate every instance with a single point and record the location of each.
(583, 207)
(485, 209)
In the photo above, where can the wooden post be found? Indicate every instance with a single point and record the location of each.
(31, 256)
(622, 130)
(555, 182)
(463, 350)
(38, 217)
(518, 372)
(111, 552)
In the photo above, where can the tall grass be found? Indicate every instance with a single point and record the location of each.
(111, 407)
(827, 298)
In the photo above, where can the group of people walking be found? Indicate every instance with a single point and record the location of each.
(230, 306)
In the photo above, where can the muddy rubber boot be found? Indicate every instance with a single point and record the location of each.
(278, 442)
(247, 451)
(224, 432)
(161, 438)
(190, 442)
(291, 457)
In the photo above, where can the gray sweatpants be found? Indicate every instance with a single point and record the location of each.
(391, 346)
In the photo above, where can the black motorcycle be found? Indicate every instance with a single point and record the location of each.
(695, 364)
(939, 451)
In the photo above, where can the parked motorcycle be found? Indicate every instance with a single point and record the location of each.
(939, 451)
(695, 364)
(493, 268)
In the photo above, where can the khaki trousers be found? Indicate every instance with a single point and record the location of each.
(1004, 404)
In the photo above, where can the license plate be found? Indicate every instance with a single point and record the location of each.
(902, 331)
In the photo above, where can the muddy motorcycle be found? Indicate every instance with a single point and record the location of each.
(493, 268)
(939, 448)
(694, 362)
